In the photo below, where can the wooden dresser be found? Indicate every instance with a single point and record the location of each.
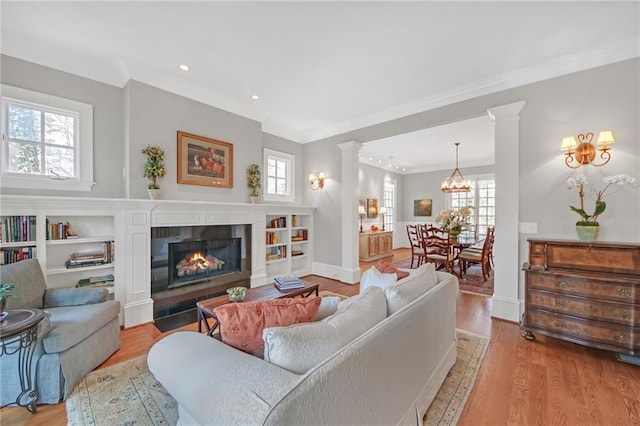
(375, 245)
(586, 293)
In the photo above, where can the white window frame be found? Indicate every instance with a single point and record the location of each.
(476, 202)
(389, 195)
(83, 145)
(291, 172)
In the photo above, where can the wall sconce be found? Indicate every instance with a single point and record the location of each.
(362, 213)
(316, 180)
(383, 211)
(584, 150)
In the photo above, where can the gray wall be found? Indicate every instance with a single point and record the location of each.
(592, 100)
(371, 185)
(108, 127)
(427, 185)
(127, 119)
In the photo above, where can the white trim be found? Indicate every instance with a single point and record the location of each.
(84, 159)
(291, 172)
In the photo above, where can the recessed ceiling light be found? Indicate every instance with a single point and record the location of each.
(370, 158)
(404, 169)
(184, 67)
(379, 161)
(255, 97)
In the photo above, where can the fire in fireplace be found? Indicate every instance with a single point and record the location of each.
(195, 261)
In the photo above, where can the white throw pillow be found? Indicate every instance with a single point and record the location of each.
(403, 292)
(373, 277)
(300, 347)
(328, 306)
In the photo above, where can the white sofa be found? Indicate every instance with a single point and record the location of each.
(387, 375)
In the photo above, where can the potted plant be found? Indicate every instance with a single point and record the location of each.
(588, 227)
(253, 181)
(5, 293)
(154, 168)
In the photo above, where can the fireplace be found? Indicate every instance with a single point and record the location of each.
(192, 262)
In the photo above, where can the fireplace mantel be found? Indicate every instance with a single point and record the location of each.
(130, 221)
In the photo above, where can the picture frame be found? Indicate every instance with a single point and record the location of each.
(372, 208)
(422, 207)
(204, 161)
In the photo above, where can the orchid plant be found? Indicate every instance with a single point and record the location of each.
(591, 219)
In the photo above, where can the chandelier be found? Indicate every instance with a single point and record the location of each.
(456, 182)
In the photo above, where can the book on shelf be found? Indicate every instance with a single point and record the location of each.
(12, 255)
(296, 253)
(18, 228)
(103, 281)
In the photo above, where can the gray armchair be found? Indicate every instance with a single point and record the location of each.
(81, 329)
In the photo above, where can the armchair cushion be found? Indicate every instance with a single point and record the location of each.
(73, 324)
(71, 296)
(29, 284)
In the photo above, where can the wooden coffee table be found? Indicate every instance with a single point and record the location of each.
(265, 292)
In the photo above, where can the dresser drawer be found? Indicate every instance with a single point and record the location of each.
(584, 330)
(585, 285)
(584, 308)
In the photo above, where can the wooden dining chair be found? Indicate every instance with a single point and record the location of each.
(438, 248)
(483, 257)
(417, 247)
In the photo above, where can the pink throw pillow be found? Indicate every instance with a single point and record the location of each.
(386, 268)
(241, 324)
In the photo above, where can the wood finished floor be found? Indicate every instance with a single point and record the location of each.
(545, 382)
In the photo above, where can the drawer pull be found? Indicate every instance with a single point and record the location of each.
(562, 284)
(623, 337)
(623, 315)
(561, 324)
(561, 303)
(624, 292)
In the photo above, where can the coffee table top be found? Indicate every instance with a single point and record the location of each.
(255, 294)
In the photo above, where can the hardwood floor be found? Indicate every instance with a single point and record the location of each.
(544, 382)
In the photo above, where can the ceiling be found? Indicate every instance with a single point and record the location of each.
(325, 68)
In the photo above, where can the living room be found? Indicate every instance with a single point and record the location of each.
(530, 120)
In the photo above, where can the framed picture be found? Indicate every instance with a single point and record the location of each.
(372, 208)
(422, 207)
(204, 161)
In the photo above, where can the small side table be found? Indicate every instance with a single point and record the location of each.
(20, 329)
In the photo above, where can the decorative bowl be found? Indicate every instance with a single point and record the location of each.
(236, 294)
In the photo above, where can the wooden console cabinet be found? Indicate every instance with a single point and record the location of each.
(585, 293)
(376, 245)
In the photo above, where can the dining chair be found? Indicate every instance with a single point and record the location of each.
(483, 257)
(438, 248)
(417, 247)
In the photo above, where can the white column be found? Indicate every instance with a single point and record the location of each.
(350, 271)
(506, 121)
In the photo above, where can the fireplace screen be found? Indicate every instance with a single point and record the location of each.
(195, 261)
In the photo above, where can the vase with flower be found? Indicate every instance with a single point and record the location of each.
(454, 220)
(588, 228)
(154, 169)
(253, 181)
(6, 292)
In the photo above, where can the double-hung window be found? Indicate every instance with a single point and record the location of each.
(389, 202)
(47, 141)
(482, 197)
(279, 173)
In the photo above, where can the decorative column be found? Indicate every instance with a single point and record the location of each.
(350, 270)
(506, 121)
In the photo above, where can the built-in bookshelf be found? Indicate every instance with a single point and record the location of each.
(287, 244)
(78, 247)
(17, 238)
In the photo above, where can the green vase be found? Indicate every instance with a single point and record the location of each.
(587, 234)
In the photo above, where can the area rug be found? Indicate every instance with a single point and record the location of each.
(127, 393)
(471, 281)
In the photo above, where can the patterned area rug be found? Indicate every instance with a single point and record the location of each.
(471, 282)
(127, 393)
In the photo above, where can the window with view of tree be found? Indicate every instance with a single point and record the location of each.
(482, 198)
(279, 172)
(41, 141)
(47, 141)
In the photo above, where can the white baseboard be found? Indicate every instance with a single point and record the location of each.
(336, 273)
(138, 313)
(506, 309)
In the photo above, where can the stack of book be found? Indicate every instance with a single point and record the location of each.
(287, 282)
(78, 260)
(101, 281)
